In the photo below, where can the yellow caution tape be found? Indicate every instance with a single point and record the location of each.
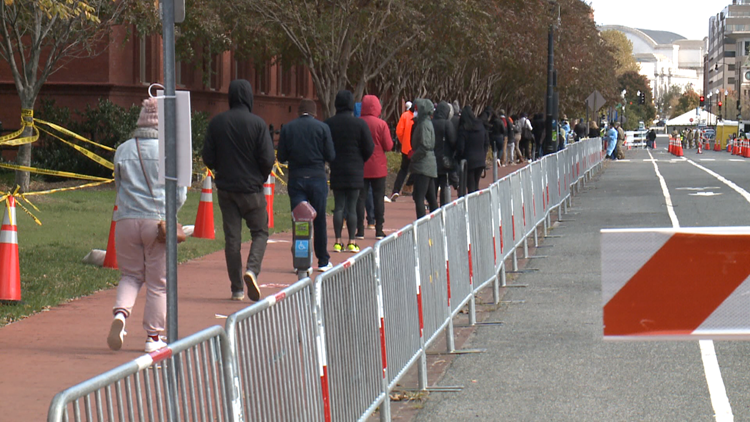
(90, 155)
(14, 139)
(53, 172)
(87, 185)
(73, 134)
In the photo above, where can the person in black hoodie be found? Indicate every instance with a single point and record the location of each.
(306, 144)
(352, 142)
(239, 150)
(445, 147)
(537, 128)
(473, 142)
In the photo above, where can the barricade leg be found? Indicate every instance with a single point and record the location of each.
(494, 166)
(536, 237)
(526, 247)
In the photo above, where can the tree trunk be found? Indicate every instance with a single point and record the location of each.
(24, 151)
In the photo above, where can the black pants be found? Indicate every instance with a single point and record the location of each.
(442, 190)
(401, 176)
(345, 202)
(472, 182)
(378, 193)
(424, 187)
(250, 207)
(315, 191)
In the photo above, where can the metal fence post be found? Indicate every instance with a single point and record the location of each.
(422, 365)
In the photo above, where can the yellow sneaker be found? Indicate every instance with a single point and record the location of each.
(352, 247)
(338, 247)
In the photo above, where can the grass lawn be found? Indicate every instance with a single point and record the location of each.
(76, 222)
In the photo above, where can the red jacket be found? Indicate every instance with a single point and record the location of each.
(377, 165)
(403, 131)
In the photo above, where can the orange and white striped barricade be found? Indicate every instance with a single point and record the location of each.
(681, 284)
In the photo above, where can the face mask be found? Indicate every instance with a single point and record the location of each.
(415, 114)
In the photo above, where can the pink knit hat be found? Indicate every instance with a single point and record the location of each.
(149, 115)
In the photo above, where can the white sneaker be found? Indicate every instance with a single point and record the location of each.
(153, 345)
(386, 199)
(325, 268)
(251, 281)
(116, 332)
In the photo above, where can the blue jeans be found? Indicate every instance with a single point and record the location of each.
(315, 191)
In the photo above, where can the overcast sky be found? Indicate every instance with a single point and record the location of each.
(688, 18)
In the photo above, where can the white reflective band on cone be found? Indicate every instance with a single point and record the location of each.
(207, 196)
(8, 235)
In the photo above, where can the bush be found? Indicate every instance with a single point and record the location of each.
(107, 124)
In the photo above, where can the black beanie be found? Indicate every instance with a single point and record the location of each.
(307, 106)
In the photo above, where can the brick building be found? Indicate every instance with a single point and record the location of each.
(124, 71)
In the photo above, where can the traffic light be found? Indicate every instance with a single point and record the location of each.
(641, 97)
(703, 100)
(719, 105)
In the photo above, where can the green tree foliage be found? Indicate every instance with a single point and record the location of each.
(622, 52)
(632, 82)
(689, 100)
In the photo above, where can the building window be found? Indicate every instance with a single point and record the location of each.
(286, 75)
(729, 54)
(145, 75)
(731, 81)
(731, 67)
(261, 78)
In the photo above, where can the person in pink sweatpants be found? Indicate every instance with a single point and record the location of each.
(140, 207)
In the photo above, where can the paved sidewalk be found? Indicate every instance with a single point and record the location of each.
(50, 351)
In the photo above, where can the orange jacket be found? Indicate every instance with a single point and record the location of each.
(403, 131)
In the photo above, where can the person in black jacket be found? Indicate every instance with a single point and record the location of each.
(353, 144)
(445, 147)
(239, 150)
(497, 137)
(473, 142)
(537, 128)
(306, 144)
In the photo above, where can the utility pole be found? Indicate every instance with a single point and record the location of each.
(548, 146)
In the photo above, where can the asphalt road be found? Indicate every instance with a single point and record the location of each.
(548, 361)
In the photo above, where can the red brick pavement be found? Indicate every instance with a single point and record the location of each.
(50, 351)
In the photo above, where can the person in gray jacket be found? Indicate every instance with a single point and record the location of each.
(140, 206)
(423, 163)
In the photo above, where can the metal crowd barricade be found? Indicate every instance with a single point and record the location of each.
(481, 226)
(188, 380)
(396, 261)
(432, 281)
(273, 343)
(457, 251)
(350, 320)
(505, 226)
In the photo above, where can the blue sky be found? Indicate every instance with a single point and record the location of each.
(688, 18)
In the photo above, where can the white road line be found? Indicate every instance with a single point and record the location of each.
(736, 160)
(708, 159)
(716, 389)
(723, 180)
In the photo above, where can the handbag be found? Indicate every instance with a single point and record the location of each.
(161, 226)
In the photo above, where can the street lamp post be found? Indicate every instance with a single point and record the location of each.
(548, 145)
(710, 94)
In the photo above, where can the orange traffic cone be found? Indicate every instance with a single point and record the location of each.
(679, 149)
(717, 145)
(671, 143)
(269, 189)
(110, 258)
(700, 149)
(204, 221)
(10, 270)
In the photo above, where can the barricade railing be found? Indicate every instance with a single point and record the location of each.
(352, 341)
(188, 380)
(333, 349)
(276, 362)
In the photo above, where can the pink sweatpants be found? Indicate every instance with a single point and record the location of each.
(142, 260)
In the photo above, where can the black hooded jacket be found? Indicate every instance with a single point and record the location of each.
(238, 146)
(473, 140)
(445, 136)
(352, 142)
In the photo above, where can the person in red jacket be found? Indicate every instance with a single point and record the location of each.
(376, 167)
(403, 133)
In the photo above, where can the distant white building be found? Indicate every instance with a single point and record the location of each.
(666, 58)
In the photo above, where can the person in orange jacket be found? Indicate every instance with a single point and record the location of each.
(403, 133)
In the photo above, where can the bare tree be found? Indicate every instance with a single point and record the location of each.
(38, 37)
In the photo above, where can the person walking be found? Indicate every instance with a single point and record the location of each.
(473, 142)
(652, 139)
(611, 141)
(497, 138)
(376, 167)
(141, 257)
(508, 139)
(423, 164)
(403, 133)
(239, 150)
(445, 146)
(593, 129)
(306, 144)
(538, 129)
(353, 145)
(580, 130)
